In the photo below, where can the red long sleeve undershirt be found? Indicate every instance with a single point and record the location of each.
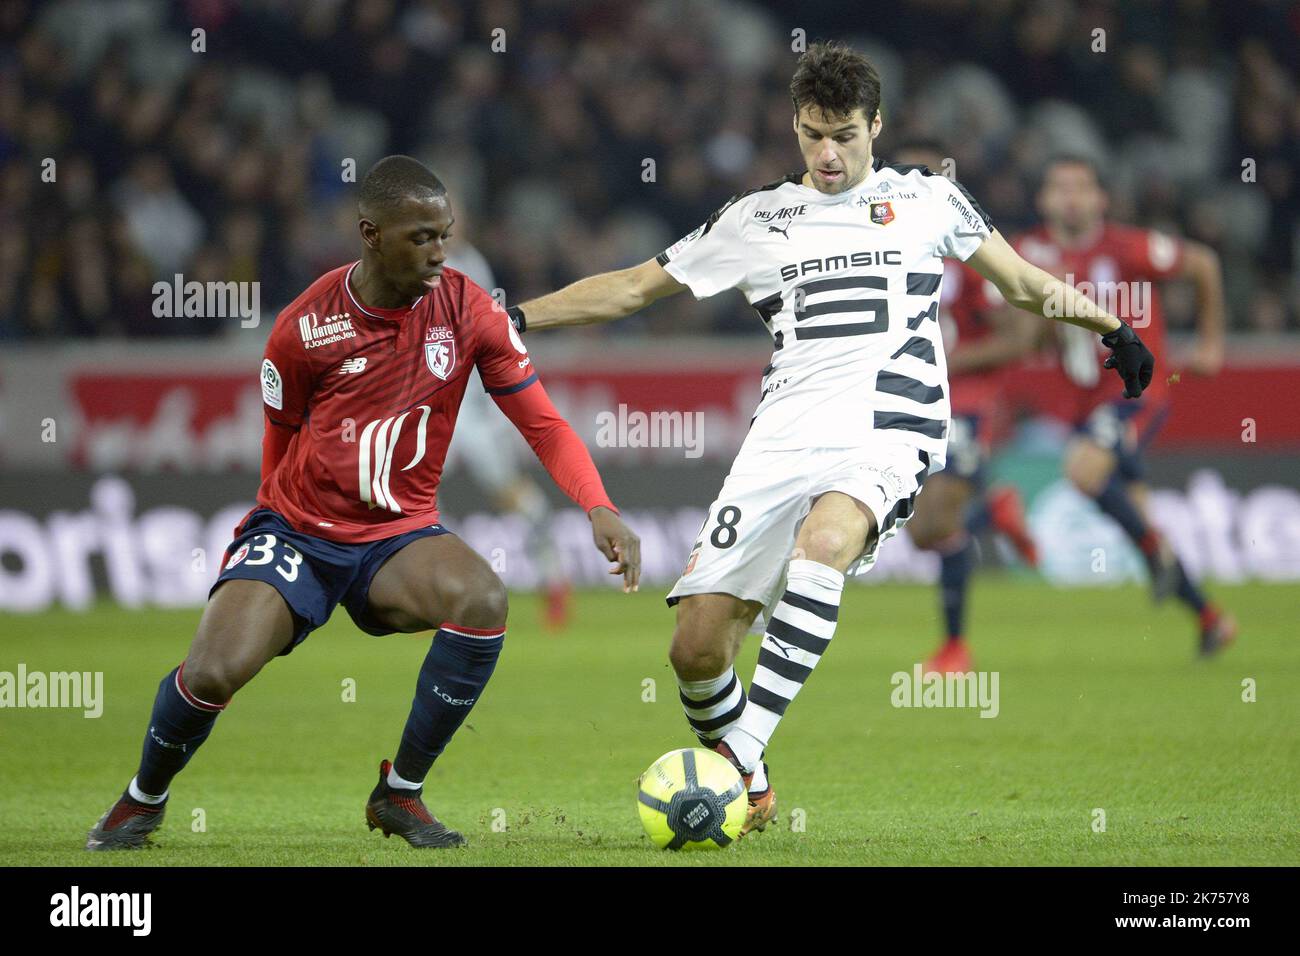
(275, 442)
(552, 439)
(556, 445)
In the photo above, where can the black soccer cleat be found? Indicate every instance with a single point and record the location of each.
(400, 811)
(126, 825)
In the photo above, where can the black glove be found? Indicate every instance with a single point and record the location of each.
(516, 315)
(1130, 358)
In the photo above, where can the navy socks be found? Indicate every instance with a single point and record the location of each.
(457, 668)
(180, 722)
(955, 569)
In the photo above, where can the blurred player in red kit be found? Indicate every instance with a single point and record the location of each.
(1104, 460)
(982, 338)
(362, 378)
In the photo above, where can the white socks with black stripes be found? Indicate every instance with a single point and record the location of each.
(798, 634)
(713, 705)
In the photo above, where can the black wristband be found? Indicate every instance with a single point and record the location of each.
(517, 318)
(1121, 336)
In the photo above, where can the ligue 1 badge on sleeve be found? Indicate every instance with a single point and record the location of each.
(440, 350)
(238, 556)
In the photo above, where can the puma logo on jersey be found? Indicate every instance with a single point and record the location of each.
(785, 232)
(353, 365)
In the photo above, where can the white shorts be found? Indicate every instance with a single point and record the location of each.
(747, 539)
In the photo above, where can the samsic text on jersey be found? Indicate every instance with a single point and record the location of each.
(848, 286)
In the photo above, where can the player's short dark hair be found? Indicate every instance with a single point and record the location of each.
(1071, 159)
(837, 80)
(393, 180)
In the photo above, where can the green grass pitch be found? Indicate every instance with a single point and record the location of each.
(1102, 707)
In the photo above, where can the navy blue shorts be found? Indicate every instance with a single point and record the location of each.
(1125, 428)
(313, 575)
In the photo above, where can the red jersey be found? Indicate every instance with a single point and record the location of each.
(964, 301)
(368, 398)
(1117, 271)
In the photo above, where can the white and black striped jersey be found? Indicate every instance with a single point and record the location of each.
(848, 286)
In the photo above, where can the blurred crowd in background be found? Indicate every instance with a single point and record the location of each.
(601, 133)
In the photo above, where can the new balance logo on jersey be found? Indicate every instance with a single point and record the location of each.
(333, 328)
(353, 365)
(375, 458)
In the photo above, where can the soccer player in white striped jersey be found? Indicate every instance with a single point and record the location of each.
(843, 263)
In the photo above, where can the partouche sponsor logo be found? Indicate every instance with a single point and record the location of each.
(75, 908)
(854, 260)
(333, 328)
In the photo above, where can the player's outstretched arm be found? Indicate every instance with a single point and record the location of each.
(1201, 266)
(1030, 288)
(598, 298)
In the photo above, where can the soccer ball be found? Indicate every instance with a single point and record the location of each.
(691, 799)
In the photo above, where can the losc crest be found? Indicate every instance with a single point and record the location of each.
(440, 351)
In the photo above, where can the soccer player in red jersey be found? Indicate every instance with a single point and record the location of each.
(361, 381)
(1104, 459)
(982, 337)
